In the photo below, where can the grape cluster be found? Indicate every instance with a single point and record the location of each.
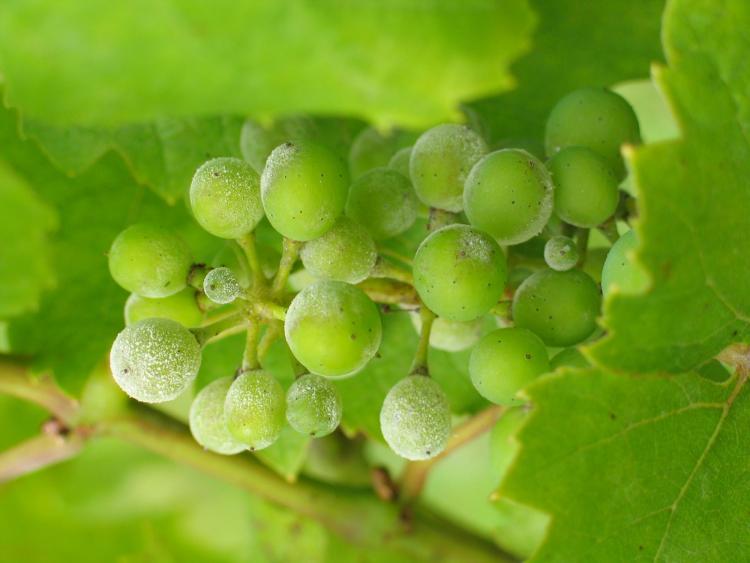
(503, 268)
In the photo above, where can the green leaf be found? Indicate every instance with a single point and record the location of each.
(25, 222)
(647, 468)
(576, 44)
(693, 204)
(390, 62)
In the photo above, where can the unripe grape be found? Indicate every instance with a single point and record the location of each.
(594, 118)
(154, 360)
(459, 272)
(255, 409)
(620, 272)
(569, 357)
(221, 286)
(313, 406)
(149, 260)
(304, 188)
(400, 162)
(440, 161)
(585, 187)
(505, 361)
(372, 149)
(345, 253)
(451, 336)
(509, 195)
(333, 328)
(225, 197)
(181, 307)
(207, 421)
(559, 307)
(415, 418)
(383, 201)
(561, 253)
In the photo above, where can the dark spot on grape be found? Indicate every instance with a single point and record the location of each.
(612, 416)
(353, 337)
(428, 452)
(527, 356)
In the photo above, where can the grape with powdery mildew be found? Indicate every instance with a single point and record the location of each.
(313, 406)
(221, 285)
(207, 421)
(345, 253)
(560, 253)
(255, 409)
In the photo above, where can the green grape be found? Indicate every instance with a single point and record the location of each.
(207, 421)
(181, 307)
(459, 272)
(509, 195)
(150, 261)
(221, 286)
(620, 273)
(451, 336)
(313, 406)
(505, 361)
(400, 162)
(560, 253)
(304, 188)
(333, 328)
(569, 357)
(373, 149)
(441, 160)
(225, 197)
(594, 118)
(594, 263)
(154, 360)
(345, 253)
(383, 201)
(585, 187)
(255, 409)
(415, 418)
(560, 307)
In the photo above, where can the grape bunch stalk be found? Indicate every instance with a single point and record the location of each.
(505, 246)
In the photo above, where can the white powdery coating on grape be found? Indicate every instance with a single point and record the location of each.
(313, 405)
(225, 197)
(207, 421)
(415, 418)
(254, 409)
(345, 253)
(450, 336)
(155, 360)
(474, 245)
(560, 253)
(383, 201)
(221, 286)
(278, 161)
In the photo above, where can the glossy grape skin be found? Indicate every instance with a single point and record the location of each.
(560, 253)
(400, 162)
(303, 188)
(594, 118)
(383, 201)
(181, 307)
(559, 307)
(255, 409)
(154, 360)
(505, 361)
(345, 253)
(208, 424)
(373, 149)
(150, 261)
(586, 192)
(313, 406)
(225, 197)
(221, 285)
(620, 273)
(459, 272)
(509, 195)
(440, 162)
(451, 336)
(415, 418)
(569, 357)
(333, 328)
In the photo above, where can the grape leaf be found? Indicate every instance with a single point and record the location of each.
(647, 468)
(104, 63)
(25, 222)
(576, 44)
(694, 203)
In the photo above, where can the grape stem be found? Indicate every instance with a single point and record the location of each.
(289, 254)
(609, 230)
(440, 218)
(273, 331)
(356, 515)
(390, 292)
(385, 269)
(39, 452)
(247, 243)
(269, 310)
(385, 251)
(250, 355)
(582, 244)
(415, 473)
(221, 328)
(419, 365)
